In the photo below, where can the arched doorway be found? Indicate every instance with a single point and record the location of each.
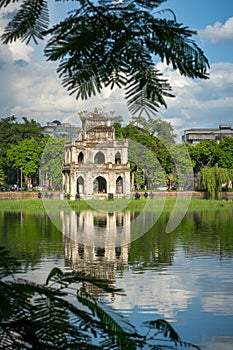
(119, 185)
(80, 158)
(100, 185)
(80, 185)
(99, 158)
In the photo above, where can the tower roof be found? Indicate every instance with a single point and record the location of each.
(96, 116)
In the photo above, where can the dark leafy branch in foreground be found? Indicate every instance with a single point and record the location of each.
(112, 43)
(60, 315)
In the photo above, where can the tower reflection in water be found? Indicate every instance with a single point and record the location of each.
(96, 243)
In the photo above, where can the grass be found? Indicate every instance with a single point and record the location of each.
(108, 205)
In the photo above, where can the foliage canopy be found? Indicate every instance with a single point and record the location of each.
(112, 43)
(52, 160)
(11, 133)
(213, 178)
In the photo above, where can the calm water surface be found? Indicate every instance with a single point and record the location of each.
(185, 277)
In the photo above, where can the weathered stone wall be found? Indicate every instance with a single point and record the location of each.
(194, 194)
(173, 194)
(18, 195)
(226, 195)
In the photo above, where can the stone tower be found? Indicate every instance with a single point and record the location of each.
(96, 165)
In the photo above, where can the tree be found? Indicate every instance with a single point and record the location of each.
(203, 154)
(147, 154)
(145, 167)
(181, 170)
(212, 162)
(156, 127)
(110, 43)
(2, 175)
(12, 132)
(52, 161)
(27, 155)
(139, 179)
(159, 158)
(212, 179)
(224, 153)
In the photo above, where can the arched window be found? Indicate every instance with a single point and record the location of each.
(99, 158)
(100, 185)
(119, 219)
(100, 221)
(119, 185)
(80, 185)
(118, 158)
(80, 157)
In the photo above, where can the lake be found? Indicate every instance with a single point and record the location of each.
(185, 276)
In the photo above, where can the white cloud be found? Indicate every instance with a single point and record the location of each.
(172, 293)
(21, 51)
(33, 89)
(218, 32)
(201, 103)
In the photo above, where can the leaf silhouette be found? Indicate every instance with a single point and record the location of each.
(46, 316)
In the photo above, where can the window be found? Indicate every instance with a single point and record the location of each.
(119, 185)
(80, 158)
(118, 158)
(99, 158)
(80, 185)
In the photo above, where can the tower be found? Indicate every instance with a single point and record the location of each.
(96, 165)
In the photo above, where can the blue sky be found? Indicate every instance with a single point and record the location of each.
(30, 86)
(203, 16)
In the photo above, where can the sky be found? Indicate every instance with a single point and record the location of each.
(30, 86)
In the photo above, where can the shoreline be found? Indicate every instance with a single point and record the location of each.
(166, 203)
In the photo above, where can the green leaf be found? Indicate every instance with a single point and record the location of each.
(29, 23)
(55, 273)
(117, 327)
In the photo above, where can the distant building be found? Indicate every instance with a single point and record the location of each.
(195, 136)
(58, 129)
(96, 165)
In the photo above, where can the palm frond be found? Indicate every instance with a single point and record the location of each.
(4, 3)
(162, 327)
(149, 4)
(41, 316)
(101, 41)
(172, 42)
(84, 83)
(31, 20)
(64, 279)
(145, 91)
(117, 78)
(116, 326)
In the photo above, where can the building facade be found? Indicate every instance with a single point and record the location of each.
(195, 136)
(58, 129)
(96, 165)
